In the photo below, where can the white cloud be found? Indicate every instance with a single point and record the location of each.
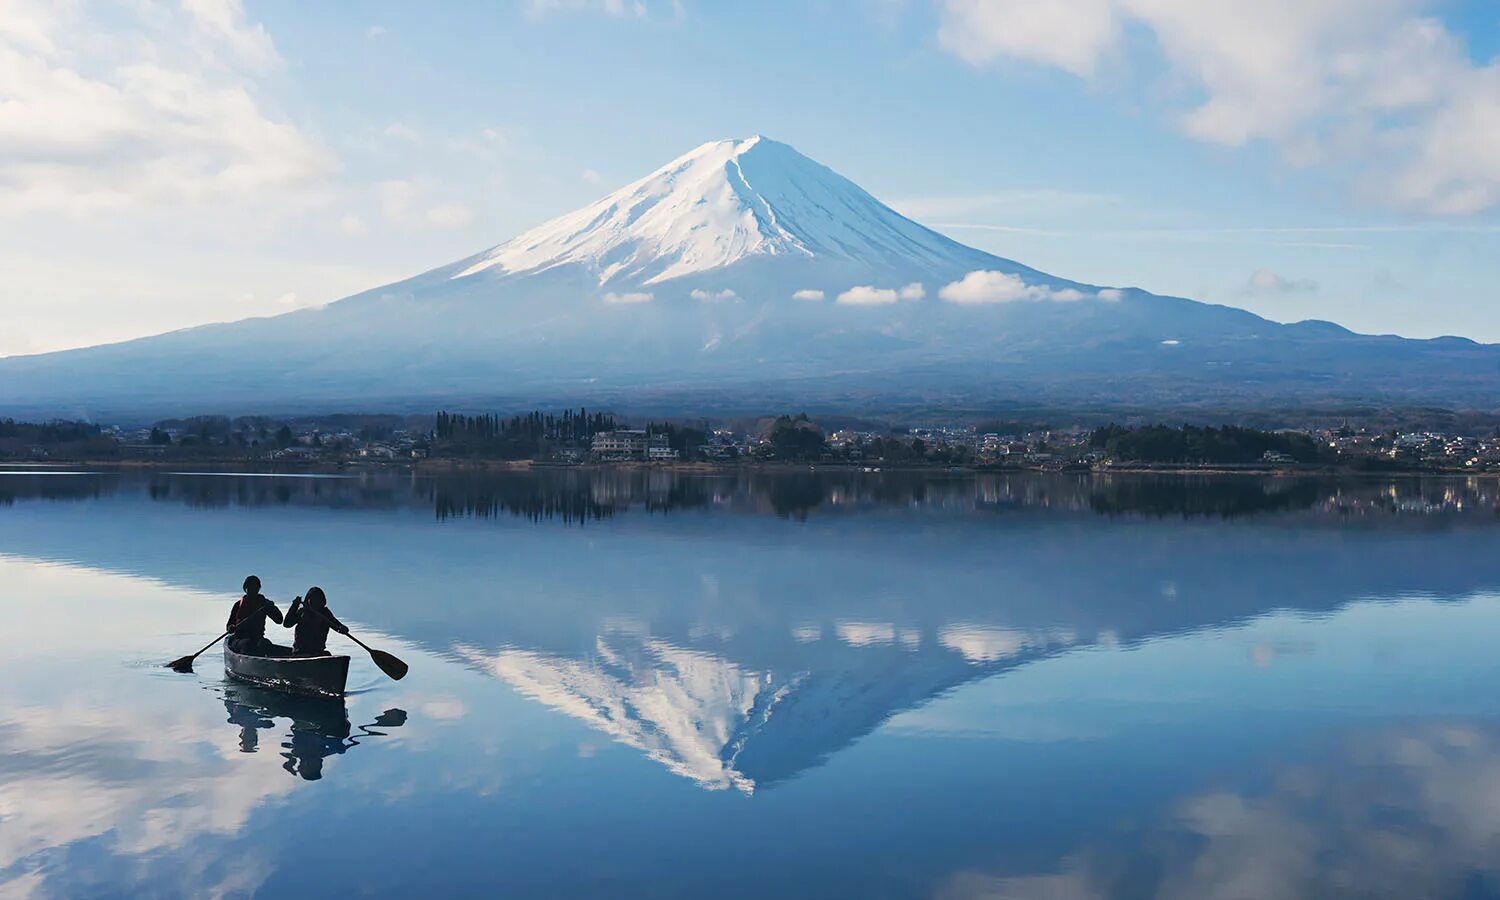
(865, 295)
(1068, 34)
(1455, 169)
(186, 782)
(488, 148)
(16, 343)
(375, 32)
(618, 9)
(137, 116)
(445, 709)
(1264, 281)
(865, 634)
(223, 23)
(913, 291)
(809, 294)
(1375, 89)
(1111, 295)
(403, 132)
(982, 287)
(447, 216)
(635, 297)
(402, 203)
(1392, 814)
(590, 176)
(983, 644)
(353, 225)
(713, 296)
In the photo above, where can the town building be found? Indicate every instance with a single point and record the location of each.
(631, 443)
(625, 443)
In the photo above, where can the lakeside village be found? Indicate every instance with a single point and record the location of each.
(580, 437)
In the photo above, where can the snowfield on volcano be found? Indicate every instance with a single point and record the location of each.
(722, 203)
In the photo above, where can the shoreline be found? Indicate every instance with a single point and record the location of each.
(454, 465)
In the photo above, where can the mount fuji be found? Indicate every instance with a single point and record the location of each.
(740, 276)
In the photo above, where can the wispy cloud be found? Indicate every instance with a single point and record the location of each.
(1323, 245)
(1190, 233)
(162, 110)
(1380, 92)
(619, 9)
(1009, 202)
(223, 23)
(1005, 229)
(404, 203)
(403, 132)
(1265, 281)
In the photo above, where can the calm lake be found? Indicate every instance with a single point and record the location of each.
(790, 685)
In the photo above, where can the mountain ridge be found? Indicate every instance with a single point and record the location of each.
(739, 273)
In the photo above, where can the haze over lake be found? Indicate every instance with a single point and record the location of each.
(800, 684)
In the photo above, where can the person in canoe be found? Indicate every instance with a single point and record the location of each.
(247, 623)
(312, 619)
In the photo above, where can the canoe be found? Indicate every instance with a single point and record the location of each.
(323, 676)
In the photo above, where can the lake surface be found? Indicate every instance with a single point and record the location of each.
(793, 685)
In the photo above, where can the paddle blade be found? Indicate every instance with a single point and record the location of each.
(389, 664)
(185, 663)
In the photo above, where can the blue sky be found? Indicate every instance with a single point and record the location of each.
(168, 165)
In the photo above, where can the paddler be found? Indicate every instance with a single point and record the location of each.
(312, 619)
(247, 622)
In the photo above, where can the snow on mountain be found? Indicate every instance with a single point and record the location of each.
(726, 726)
(722, 203)
(744, 273)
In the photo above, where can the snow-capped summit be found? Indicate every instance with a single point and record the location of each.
(721, 203)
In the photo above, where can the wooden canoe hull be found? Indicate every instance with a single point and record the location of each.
(323, 676)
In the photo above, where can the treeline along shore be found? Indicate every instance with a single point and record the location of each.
(579, 437)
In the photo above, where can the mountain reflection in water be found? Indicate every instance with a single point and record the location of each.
(724, 724)
(877, 684)
(741, 671)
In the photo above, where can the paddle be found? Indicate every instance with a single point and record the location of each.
(185, 664)
(388, 664)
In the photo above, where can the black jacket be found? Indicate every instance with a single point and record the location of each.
(312, 628)
(247, 618)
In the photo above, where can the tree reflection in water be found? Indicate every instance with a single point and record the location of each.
(579, 496)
